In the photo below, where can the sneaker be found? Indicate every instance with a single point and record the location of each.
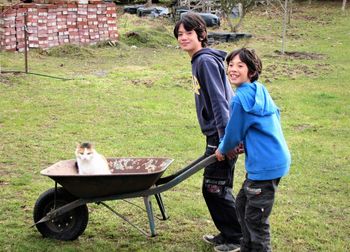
(214, 240)
(227, 247)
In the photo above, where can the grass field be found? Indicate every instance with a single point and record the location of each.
(138, 102)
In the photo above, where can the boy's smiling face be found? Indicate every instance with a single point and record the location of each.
(188, 40)
(237, 71)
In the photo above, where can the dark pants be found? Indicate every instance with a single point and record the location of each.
(217, 192)
(254, 206)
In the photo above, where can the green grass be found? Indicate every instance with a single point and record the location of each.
(137, 102)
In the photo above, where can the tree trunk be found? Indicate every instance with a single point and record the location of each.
(289, 11)
(149, 3)
(284, 24)
(343, 7)
(235, 28)
(229, 21)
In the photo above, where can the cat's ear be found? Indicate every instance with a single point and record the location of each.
(77, 144)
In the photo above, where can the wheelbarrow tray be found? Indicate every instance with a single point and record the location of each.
(128, 175)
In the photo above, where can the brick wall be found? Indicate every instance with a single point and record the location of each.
(57, 23)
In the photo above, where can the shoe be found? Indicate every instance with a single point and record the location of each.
(227, 247)
(214, 240)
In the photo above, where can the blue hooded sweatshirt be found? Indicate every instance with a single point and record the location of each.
(212, 90)
(255, 120)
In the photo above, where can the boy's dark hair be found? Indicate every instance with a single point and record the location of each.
(192, 21)
(250, 58)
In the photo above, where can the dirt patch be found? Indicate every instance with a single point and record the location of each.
(291, 65)
(304, 127)
(280, 70)
(313, 19)
(301, 55)
(183, 82)
(4, 183)
(101, 73)
(6, 78)
(147, 83)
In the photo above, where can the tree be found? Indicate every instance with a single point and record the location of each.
(343, 7)
(285, 9)
(148, 3)
(227, 7)
(284, 29)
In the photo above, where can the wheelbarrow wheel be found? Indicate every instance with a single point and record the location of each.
(68, 226)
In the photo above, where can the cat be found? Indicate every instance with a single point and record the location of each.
(90, 162)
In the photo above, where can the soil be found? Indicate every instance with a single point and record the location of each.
(303, 127)
(301, 55)
(275, 71)
(147, 83)
(5, 78)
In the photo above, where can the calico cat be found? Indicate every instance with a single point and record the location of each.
(89, 161)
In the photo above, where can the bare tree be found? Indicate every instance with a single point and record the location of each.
(148, 3)
(227, 7)
(284, 29)
(285, 8)
(343, 7)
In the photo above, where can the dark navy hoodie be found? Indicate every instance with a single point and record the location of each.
(255, 120)
(212, 90)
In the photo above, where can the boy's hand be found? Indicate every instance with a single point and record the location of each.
(239, 149)
(231, 154)
(219, 156)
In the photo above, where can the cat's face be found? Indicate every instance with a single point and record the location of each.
(84, 151)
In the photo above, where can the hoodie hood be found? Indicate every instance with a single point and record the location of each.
(220, 55)
(255, 99)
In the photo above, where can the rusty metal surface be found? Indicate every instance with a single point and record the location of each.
(127, 175)
(118, 166)
(124, 166)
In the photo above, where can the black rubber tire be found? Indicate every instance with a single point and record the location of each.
(66, 227)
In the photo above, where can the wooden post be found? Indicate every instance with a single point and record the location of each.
(26, 41)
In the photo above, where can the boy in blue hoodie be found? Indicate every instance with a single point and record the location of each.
(212, 93)
(255, 120)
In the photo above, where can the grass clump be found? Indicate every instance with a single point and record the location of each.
(70, 50)
(145, 31)
(151, 38)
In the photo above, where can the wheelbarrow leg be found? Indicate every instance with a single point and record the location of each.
(148, 204)
(161, 206)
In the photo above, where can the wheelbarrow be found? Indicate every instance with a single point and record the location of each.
(61, 212)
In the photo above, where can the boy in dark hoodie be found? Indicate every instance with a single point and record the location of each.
(212, 93)
(255, 120)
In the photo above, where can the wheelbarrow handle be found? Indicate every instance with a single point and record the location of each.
(183, 174)
(206, 159)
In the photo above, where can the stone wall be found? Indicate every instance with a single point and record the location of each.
(57, 23)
